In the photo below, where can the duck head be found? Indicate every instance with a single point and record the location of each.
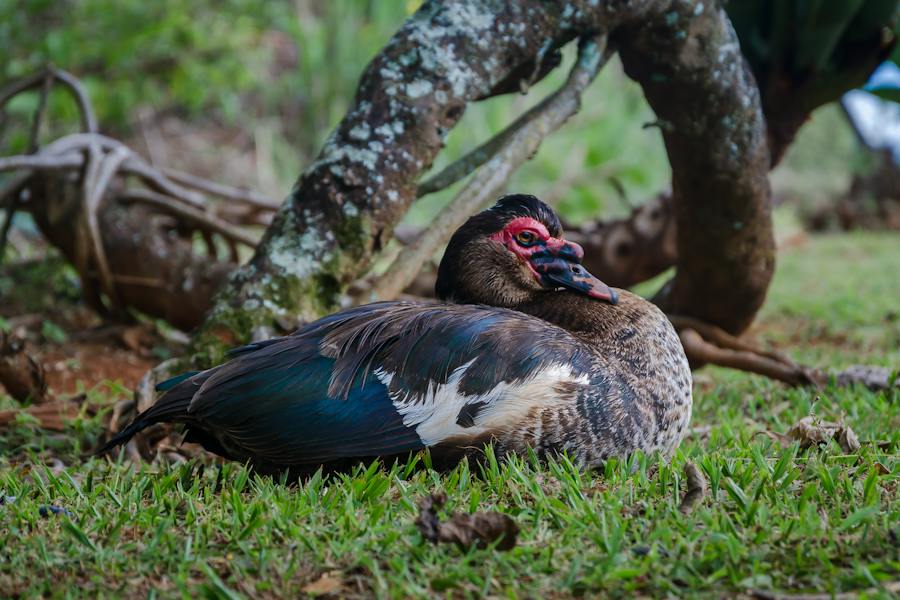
(512, 252)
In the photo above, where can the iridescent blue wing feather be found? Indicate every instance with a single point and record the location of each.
(331, 390)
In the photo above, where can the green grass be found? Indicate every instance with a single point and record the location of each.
(779, 519)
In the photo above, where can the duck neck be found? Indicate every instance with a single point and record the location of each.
(583, 316)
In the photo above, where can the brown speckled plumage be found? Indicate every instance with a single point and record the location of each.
(641, 397)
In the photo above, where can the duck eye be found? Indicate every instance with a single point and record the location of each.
(526, 238)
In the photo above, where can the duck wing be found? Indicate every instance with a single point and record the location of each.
(379, 380)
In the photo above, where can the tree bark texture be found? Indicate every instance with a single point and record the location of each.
(343, 209)
(688, 61)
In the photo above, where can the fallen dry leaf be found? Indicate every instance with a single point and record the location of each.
(811, 431)
(882, 470)
(847, 440)
(696, 488)
(328, 583)
(477, 529)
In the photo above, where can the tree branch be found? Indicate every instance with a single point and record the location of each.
(250, 197)
(342, 211)
(516, 145)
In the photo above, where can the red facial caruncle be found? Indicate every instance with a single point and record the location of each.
(525, 237)
(554, 262)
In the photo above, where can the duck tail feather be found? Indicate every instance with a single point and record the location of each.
(172, 406)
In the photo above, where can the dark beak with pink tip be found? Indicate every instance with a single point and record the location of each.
(559, 265)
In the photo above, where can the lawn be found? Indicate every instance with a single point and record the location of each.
(776, 520)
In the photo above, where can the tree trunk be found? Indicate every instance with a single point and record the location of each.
(689, 63)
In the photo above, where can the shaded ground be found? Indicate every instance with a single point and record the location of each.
(79, 352)
(776, 519)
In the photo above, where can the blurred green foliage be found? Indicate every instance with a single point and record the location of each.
(809, 52)
(289, 69)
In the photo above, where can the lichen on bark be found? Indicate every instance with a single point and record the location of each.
(344, 207)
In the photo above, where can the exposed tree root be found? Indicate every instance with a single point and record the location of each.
(700, 351)
(118, 234)
(707, 344)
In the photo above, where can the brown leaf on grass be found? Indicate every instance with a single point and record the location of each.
(882, 470)
(696, 488)
(811, 431)
(328, 583)
(847, 440)
(477, 529)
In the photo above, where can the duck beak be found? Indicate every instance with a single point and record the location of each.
(559, 265)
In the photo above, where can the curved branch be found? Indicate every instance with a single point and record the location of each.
(192, 215)
(42, 162)
(88, 119)
(517, 144)
(471, 161)
(98, 176)
(255, 199)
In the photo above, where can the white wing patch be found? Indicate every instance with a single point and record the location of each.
(434, 414)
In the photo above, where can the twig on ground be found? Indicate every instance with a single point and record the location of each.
(514, 149)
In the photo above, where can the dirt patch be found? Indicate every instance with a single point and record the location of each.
(90, 364)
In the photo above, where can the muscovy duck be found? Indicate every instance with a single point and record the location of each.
(527, 350)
